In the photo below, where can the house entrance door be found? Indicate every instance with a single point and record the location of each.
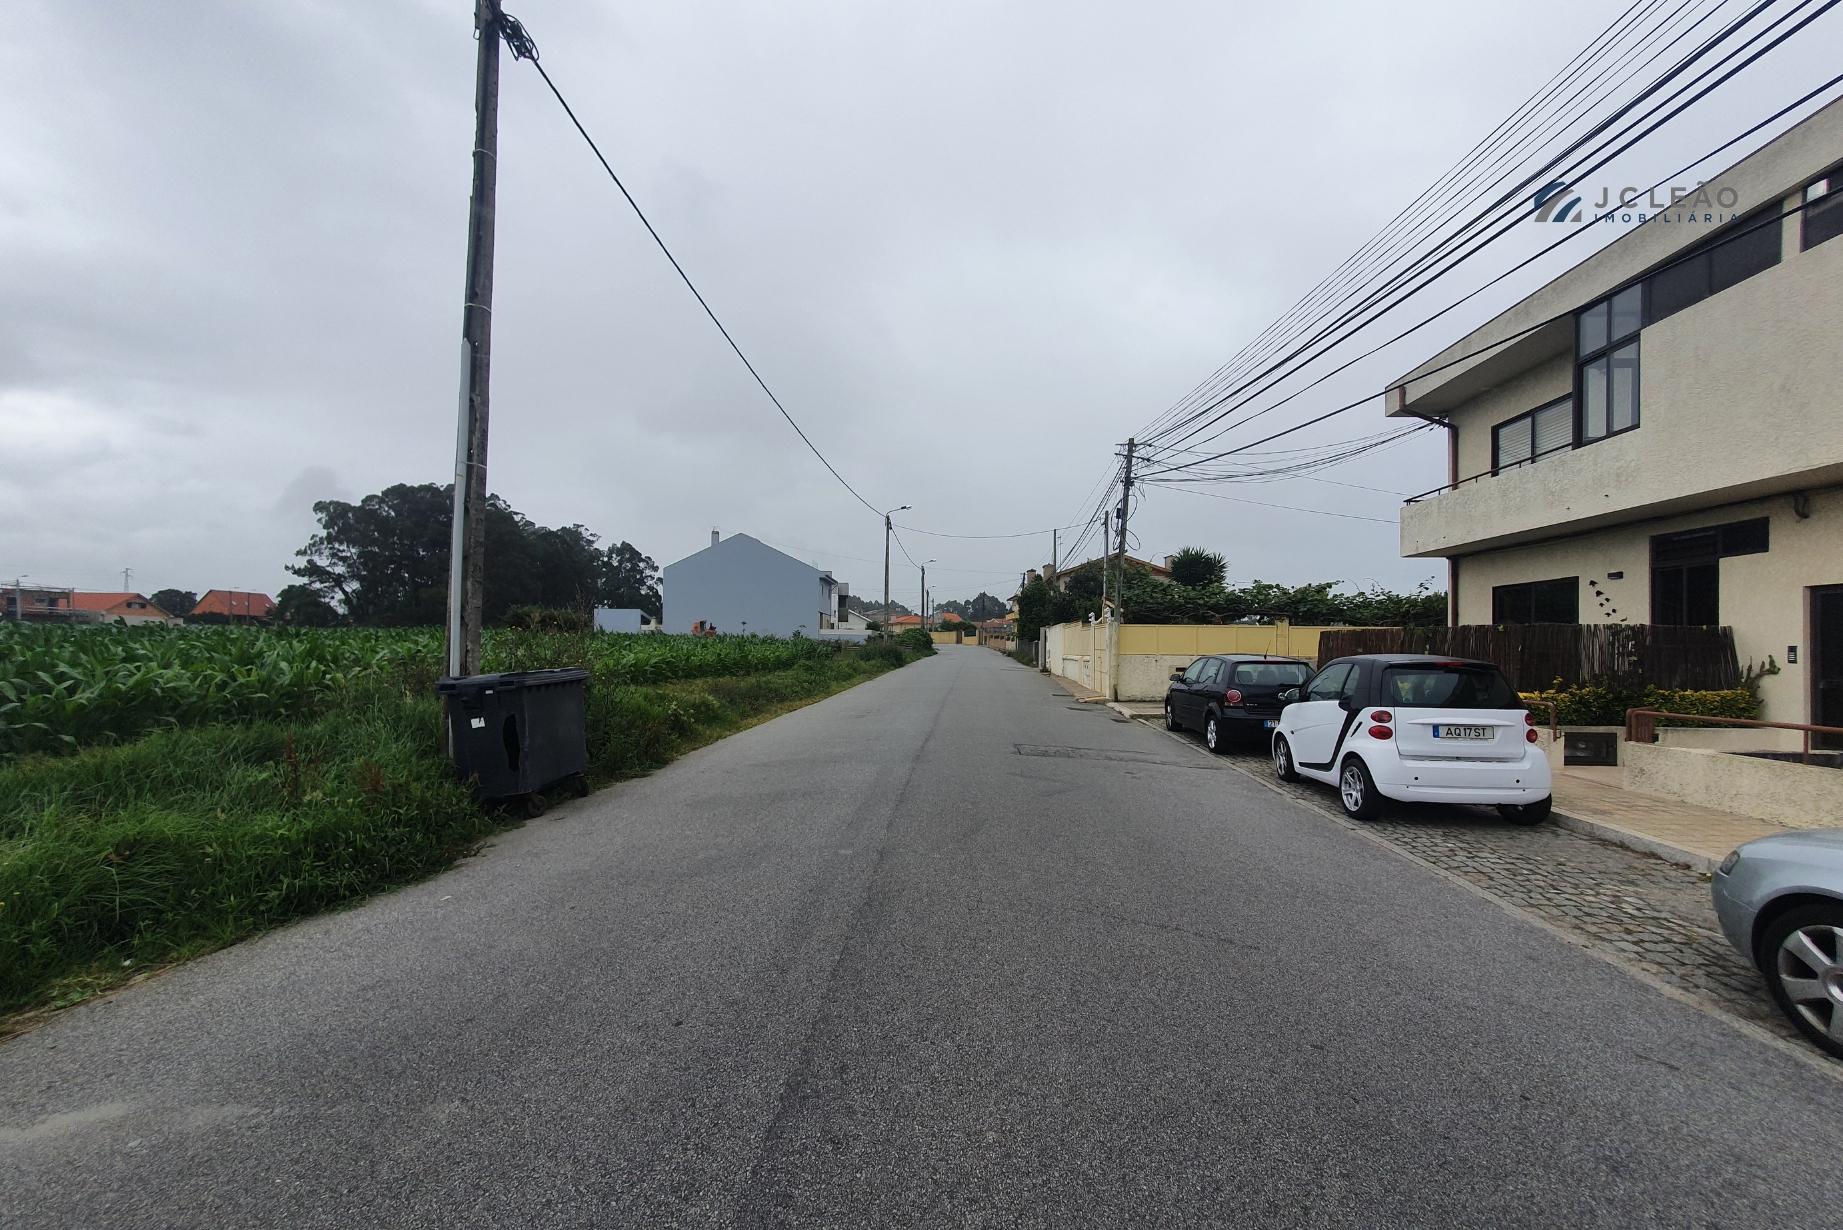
(1827, 662)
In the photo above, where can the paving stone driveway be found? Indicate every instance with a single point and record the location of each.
(1649, 913)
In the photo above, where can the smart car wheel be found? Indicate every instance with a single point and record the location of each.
(1283, 760)
(1526, 813)
(1802, 958)
(1356, 790)
(1212, 733)
(1171, 722)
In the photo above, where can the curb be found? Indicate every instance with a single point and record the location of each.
(1631, 839)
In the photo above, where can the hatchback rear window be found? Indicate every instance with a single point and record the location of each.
(1269, 674)
(1448, 687)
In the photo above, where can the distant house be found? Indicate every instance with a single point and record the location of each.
(1059, 577)
(905, 621)
(235, 606)
(741, 584)
(109, 607)
(39, 603)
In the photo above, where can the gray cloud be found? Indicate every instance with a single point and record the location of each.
(972, 246)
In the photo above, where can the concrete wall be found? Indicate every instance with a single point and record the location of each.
(1763, 597)
(743, 581)
(618, 619)
(1148, 653)
(1801, 796)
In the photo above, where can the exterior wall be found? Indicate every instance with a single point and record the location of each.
(1146, 654)
(742, 581)
(1737, 393)
(1540, 385)
(1763, 597)
(1737, 398)
(618, 619)
(1797, 795)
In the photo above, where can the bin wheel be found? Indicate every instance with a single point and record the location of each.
(582, 786)
(535, 806)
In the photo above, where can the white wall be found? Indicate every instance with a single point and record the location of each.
(742, 584)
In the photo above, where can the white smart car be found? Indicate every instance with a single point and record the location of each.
(1417, 729)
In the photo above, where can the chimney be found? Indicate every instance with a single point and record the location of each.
(713, 535)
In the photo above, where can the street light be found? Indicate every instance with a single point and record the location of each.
(887, 529)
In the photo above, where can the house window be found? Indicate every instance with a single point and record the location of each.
(1823, 216)
(1537, 602)
(1750, 246)
(1606, 375)
(1533, 436)
(1686, 570)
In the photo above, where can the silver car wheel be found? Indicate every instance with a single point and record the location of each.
(1210, 735)
(1280, 758)
(1350, 785)
(1813, 978)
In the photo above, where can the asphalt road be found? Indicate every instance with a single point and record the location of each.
(945, 949)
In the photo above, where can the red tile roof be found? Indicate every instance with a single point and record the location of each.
(912, 621)
(101, 602)
(241, 603)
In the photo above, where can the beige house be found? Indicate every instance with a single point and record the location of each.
(1657, 437)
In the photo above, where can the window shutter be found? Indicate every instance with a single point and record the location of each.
(1554, 428)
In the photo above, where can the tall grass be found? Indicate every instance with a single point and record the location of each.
(144, 849)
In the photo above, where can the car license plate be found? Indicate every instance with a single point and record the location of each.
(1269, 724)
(1462, 732)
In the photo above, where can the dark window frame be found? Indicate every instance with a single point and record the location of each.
(1831, 202)
(1583, 362)
(1683, 560)
(1497, 463)
(1526, 593)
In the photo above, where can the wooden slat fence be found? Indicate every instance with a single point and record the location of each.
(1534, 656)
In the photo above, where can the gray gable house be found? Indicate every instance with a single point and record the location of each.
(741, 584)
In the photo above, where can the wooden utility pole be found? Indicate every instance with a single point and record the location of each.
(468, 540)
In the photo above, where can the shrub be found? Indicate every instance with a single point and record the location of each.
(1601, 704)
(916, 642)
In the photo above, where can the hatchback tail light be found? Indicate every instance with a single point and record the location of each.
(1381, 732)
(1382, 715)
(1232, 696)
(1530, 735)
(1529, 718)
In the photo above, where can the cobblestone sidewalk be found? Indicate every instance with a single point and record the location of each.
(1649, 913)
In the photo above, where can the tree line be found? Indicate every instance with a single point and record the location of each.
(1198, 593)
(384, 561)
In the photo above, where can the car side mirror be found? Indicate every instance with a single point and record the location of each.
(1289, 696)
(1177, 676)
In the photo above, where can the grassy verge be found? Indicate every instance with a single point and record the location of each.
(121, 857)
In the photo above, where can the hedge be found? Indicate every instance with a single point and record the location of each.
(1593, 704)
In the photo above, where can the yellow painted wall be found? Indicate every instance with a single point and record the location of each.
(1195, 640)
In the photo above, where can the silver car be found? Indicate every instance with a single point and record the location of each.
(1780, 900)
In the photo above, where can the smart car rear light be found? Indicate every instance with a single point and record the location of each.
(1232, 696)
(1529, 719)
(1382, 715)
(1381, 732)
(1530, 735)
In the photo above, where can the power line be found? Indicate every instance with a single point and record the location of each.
(680, 270)
(1414, 269)
(1237, 499)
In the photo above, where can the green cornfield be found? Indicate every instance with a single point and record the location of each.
(65, 688)
(166, 791)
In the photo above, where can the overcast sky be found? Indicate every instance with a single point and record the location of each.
(971, 245)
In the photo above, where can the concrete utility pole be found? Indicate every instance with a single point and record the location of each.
(1054, 551)
(924, 591)
(1106, 542)
(126, 573)
(887, 530)
(468, 539)
(1126, 497)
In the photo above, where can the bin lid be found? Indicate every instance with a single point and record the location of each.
(506, 680)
